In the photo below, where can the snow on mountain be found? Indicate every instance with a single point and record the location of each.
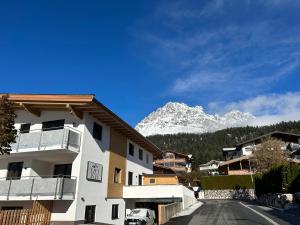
(177, 117)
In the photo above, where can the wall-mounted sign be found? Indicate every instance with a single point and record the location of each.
(94, 171)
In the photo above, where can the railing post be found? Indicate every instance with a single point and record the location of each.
(40, 140)
(55, 194)
(18, 142)
(63, 138)
(8, 191)
(31, 190)
(62, 188)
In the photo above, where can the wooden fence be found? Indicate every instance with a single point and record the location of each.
(40, 214)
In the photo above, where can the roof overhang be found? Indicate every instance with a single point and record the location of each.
(78, 105)
(236, 160)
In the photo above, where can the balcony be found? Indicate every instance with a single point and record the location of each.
(38, 188)
(42, 140)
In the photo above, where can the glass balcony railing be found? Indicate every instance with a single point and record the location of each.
(31, 188)
(38, 140)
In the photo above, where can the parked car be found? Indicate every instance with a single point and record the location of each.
(141, 216)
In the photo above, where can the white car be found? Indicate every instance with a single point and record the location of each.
(141, 216)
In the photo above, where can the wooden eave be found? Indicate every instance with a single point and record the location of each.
(77, 105)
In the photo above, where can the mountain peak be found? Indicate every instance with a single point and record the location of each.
(175, 117)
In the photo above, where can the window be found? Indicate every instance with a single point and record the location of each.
(140, 180)
(97, 131)
(62, 170)
(14, 170)
(152, 181)
(140, 154)
(115, 212)
(25, 128)
(53, 125)
(130, 177)
(147, 158)
(117, 175)
(89, 214)
(131, 149)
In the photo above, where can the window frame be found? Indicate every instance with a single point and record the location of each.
(131, 150)
(93, 208)
(48, 125)
(98, 133)
(141, 154)
(140, 180)
(130, 178)
(10, 169)
(117, 175)
(22, 130)
(115, 211)
(151, 180)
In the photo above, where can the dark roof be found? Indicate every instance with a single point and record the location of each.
(285, 136)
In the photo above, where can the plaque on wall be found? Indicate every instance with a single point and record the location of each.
(94, 171)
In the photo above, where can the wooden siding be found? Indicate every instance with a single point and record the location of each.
(161, 180)
(117, 159)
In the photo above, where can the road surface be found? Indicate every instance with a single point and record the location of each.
(230, 212)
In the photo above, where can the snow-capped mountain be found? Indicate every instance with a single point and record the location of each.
(177, 117)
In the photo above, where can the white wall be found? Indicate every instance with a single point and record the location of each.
(87, 192)
(90, 192)
(137, 166)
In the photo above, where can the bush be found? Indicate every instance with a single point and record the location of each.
(226, 182)
(282, 179)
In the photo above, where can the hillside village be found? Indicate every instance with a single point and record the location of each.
(72, 158)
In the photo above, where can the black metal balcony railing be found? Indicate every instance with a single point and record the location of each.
(63, 138)
(33, 187)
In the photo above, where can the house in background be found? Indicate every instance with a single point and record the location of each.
(178, 162)
(238, 159)
(210, 167)
(74, 156)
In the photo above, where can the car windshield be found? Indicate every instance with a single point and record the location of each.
(137, 212)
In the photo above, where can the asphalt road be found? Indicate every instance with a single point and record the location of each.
(230, 212)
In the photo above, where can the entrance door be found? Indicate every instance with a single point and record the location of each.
(89, 214)
(14, 170)
(63, 170)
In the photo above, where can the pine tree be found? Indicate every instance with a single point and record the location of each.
(8, 133)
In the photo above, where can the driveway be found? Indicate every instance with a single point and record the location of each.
(231, 212)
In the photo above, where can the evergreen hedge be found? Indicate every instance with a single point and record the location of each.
(226, 182)
(282, 179)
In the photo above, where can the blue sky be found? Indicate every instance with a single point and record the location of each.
(221, 54)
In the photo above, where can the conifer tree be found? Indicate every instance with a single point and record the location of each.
(8, 132)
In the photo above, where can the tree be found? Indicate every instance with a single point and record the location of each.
(269, 155)
(8, 133)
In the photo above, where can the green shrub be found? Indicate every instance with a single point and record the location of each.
(226, 182)
(282, 179)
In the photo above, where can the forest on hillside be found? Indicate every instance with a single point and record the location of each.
(208, 146)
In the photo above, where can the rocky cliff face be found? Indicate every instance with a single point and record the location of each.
(177, 117)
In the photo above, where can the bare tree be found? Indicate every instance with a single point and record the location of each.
(8, 132)
(269, 154)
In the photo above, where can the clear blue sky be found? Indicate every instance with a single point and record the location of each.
(138, 55)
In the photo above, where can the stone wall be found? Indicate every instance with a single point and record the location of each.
(243, 194)
(279, 200)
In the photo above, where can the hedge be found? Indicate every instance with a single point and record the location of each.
(226, 182)
(282, 179)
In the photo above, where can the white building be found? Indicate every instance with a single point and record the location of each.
(74, 154)
(211, 167)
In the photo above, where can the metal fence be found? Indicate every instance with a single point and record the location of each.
(38, 188)
(64, 138)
